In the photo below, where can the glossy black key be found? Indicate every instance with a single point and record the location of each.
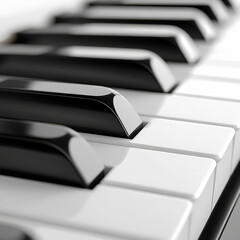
(196, 24)
(10, 232)
(47, 152)
(214, 9)
(84, 108)
(122, 68)
(169, 42)
(229, 3)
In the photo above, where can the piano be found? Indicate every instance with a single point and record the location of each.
(119, 119)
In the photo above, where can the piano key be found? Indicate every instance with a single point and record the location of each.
(47, 152)
(196, 24)
(180, 47)
(230, 4)
(10, 232)
(208, 87)
(110, 203)
(170, 174)
(224, 56)
(220, 71)
(43, 231)
(190, 109)
(215, 10)
(186, 138)
(113, 67)
(81, 107)
(99, 210)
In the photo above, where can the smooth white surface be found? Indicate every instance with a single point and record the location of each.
(219, 71)
(186, 137)
(113, 211)
(160, 172)
(170, 174)
(210, 88)
(186, 108)
(40, 231)
(190, 109)
(136, 215)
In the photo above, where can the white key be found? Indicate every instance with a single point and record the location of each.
(210, 88)
(218, 70)
(136, 215)
(170, 174)
(41, 231)
(222, 57)
(191, 109)
(113, 211)
(185, 138)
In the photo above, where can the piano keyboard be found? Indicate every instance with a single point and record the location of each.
(119, 119)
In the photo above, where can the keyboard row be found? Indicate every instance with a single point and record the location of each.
(155, 171)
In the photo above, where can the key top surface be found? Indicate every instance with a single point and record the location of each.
(184, 138)
(215, 10)
(48, 153)
(42, 231)
(210, 88)
(190, 109)
(81, 107)
(196, 24)
(180, 47)
(126, 68)
(170, 174)
(100, 210)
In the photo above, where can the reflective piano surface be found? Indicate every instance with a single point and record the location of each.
(119, 119)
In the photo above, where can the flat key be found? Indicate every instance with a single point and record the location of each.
(112, 67)
(169, 42)
(196, 24)
(169, 174)
(208, 87)
(44, 231)
(189, 109)
(99, 210)
(215, 10)
(202, 140)
(81, 107)
(47, 152)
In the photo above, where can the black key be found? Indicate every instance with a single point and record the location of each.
(169, 42)
(196, 24)
(229, 4)
(85, 108)
(47, 152)
(10, 232)
(215, 10)
(122, 68)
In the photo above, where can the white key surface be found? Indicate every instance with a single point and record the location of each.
(210, 88)
(185, 138)
(41, 231)
(170, 174)
(136, 215)
(191, 109)
(107, 210)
